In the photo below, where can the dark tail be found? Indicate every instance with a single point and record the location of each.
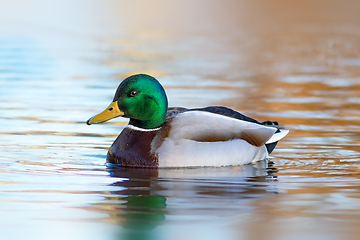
(270, 147)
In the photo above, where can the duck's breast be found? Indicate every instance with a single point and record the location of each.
(133, 148)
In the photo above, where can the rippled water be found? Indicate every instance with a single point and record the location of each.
(301, 70)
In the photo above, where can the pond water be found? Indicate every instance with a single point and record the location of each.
(297, 63)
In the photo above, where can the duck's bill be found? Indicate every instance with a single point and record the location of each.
(112, 111)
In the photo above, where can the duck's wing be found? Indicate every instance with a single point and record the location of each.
(270, 144)
(206, 126)
(229, 113)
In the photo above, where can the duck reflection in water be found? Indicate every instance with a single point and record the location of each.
(146, 195)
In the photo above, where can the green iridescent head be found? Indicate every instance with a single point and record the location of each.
(139, 97)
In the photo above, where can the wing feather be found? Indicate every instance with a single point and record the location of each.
(205, 126)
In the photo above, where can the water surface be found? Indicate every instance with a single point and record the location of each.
(298, 64)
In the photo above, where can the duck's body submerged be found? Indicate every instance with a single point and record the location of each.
(212, 136)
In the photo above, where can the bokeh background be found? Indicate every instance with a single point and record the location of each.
(297, 62)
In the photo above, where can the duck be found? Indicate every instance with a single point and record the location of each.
(158, 136)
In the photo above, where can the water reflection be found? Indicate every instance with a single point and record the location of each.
(147, 198)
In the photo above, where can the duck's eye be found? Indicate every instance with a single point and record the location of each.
(133, 93)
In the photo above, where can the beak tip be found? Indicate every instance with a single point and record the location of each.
(88, 122)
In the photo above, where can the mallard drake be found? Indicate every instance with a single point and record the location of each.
(158, 136)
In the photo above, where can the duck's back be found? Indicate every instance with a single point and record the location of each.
(173, 111)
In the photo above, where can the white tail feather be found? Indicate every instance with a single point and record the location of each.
(277, 136)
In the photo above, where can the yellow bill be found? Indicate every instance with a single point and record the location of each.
(112, 111)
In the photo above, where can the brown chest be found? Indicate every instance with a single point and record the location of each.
(133, 148)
